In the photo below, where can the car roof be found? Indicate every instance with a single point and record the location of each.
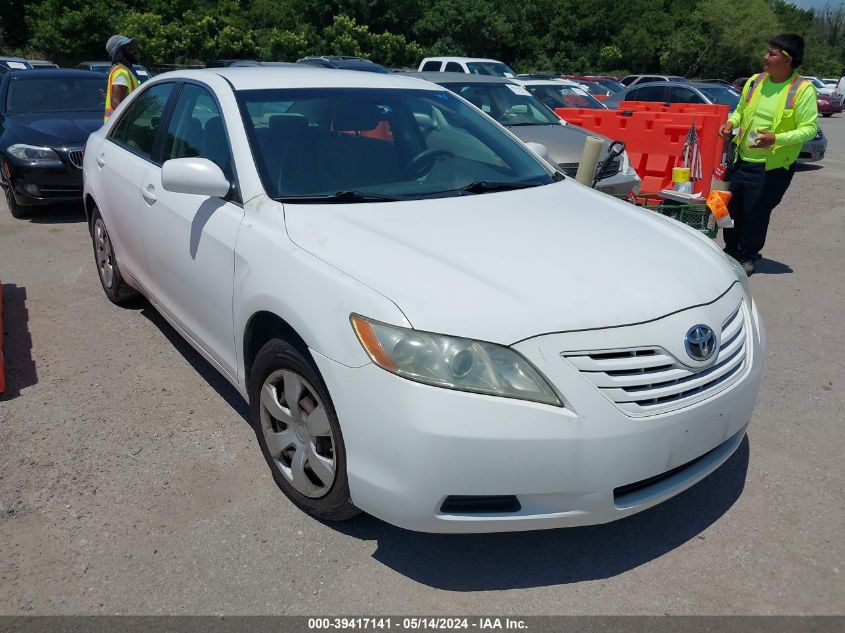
(548, 82)
(461, 59)
(466, 78)
(664, 84)
(94, 61)
(300, 76)
(57, 73)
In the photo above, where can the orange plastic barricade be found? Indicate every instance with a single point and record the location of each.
(2, 360)
(655, 139)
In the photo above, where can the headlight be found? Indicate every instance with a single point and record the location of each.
(452, 362)
(741, 275)
(34, 155)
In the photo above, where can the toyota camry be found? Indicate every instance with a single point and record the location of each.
(429, 323)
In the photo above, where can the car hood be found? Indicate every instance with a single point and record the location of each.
(54, 129)
(564, 142)
(507, 266)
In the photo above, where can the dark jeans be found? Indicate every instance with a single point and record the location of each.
(755, 193)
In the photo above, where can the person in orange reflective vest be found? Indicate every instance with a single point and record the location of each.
(123, 52)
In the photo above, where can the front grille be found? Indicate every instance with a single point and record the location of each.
(496, 504)
(613, 168)
(75, 158)
(647, 381)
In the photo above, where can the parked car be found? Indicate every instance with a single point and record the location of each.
(720, 82)
(676, 92)
(344, 63)
(609, 85)
(821, 87)
(13, 63)
(632, 80)
(410, 299)
(469, 65)
(814, 149)
(46, 118)
(104, 67)
(557, 93)
(530, 120)
(739, 83)
(830, 81)
(829, 105)
(41, 64)
(225, 63)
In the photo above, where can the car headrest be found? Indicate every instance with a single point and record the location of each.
(359, 117)
(286, 124)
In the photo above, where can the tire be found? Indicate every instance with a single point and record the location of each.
(827, 114)
(18, 211)
(116, 289)
(302, 444)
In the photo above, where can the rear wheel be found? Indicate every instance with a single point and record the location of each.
(298, 432)
(114, 286)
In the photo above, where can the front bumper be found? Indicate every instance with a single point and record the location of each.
(410, 446)
(813, 151)
(39, 186)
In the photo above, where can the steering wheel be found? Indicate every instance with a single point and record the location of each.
(422, 163)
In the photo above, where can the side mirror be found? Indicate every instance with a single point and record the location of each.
(194, 175)
(538, 148)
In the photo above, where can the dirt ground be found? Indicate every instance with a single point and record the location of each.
(131, 483)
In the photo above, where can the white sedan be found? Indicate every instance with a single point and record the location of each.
(429, 323)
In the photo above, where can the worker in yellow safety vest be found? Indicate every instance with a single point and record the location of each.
(123, 52)
(776, 115)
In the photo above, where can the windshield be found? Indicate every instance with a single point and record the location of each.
(612, 86)
(816, 82)
(722, 96)
(359, 144)
(563, 96)
(508, 104)
(56, 94)
(497, 69)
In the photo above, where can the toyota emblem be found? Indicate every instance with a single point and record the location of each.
(700, 342)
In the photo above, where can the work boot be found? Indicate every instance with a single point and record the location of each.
(748, 266)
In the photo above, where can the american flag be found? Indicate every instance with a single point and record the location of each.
(691, 154)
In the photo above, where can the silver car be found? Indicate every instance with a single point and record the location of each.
(529, 119)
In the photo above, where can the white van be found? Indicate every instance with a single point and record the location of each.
(470, 65)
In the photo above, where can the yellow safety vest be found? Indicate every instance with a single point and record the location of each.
(114, 73)
(785, 118)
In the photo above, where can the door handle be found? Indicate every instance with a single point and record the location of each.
(101, 159)
(149, 193)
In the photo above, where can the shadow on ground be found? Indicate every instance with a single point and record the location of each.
(69, 214)
(17, 349)
(195, 359)
(771, 267)
(518, 560)
(808, 167)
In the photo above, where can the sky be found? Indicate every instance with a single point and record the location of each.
(816, 4)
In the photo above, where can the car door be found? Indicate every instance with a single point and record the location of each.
(122, 159)
(190, 239)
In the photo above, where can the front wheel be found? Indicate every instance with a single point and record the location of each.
(298, 432)
(17, 210)
(116, 289)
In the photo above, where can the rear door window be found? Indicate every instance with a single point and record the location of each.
(454, 67)
(139, 125)
(647, 93)
(684, 95)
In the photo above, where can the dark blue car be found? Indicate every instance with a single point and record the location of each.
(45, 119)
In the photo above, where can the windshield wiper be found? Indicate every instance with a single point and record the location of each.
(339, 197)
(527, 123)
(484, 186)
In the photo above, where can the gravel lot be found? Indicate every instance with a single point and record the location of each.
(130, 481)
